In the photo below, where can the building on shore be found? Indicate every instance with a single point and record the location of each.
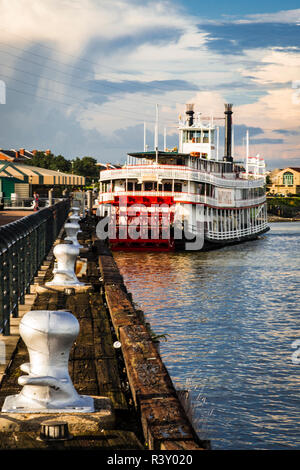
(13, 155)
(22, 180)
(20, 155)
(284, 181)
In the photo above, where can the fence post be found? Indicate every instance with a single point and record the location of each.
(89, 202)
(50, 196)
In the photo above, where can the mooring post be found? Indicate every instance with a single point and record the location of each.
(50, 196)
(64, 273)
(90, 201)
(47, 386)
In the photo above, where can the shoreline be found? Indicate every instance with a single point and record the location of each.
(275, 218)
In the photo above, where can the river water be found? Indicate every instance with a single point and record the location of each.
(231, 316)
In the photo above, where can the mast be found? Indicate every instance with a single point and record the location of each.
(145, 144)
(156, 134)
(247, 152)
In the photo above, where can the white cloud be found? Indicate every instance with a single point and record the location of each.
(283, 16)
(66, 27)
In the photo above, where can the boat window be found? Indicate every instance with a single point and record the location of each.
(138, 187)
(148, 186)
(202, 188)
(167, 186)
(205, 136)
(192, 137)
(130, 186)
(178, 187)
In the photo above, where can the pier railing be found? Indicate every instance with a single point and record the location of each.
(23, 246)
(26, 203)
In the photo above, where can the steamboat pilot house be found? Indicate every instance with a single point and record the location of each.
(179, 194)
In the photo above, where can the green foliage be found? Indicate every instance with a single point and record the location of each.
(60, 163)
(50, 162)
(85, 166)
(40, 160)
(268, 180)
(284, 206)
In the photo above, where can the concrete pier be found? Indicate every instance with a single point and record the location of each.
(114, 360)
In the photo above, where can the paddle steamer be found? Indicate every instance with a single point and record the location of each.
(165, 200)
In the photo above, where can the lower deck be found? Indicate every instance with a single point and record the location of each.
(148, 225)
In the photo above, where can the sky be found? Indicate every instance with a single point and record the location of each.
(82, 76)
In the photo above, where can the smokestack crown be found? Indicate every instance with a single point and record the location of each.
(190, 113)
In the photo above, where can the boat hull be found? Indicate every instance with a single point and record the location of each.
(178, 245)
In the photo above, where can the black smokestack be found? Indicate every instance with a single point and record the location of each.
(228, 132)
(190, 113)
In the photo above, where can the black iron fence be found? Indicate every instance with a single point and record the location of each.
(23, 247)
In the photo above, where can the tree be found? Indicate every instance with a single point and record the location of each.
(268, 179)
(85, 166)
(50, 162)
(40, 160)
(61, 164)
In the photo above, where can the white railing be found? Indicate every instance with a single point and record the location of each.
(228, 180)
(253, 229)
(183, 197)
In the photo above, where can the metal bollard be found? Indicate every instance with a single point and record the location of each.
(64, 274)
(72, 229)
(47, 387)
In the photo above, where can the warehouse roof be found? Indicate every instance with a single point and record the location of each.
(36, 175)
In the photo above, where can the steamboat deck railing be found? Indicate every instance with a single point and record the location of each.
(228, 180)
(238, 233)
(184, 197)
(23, 246)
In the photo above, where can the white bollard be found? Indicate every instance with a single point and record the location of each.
(76, 211)
(72, 229)
(64, 272)
(75, 218)
(48, 388)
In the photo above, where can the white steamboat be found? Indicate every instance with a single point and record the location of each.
(163, 200)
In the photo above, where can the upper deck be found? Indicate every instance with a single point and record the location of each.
(158, 166)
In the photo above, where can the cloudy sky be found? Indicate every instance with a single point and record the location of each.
(82, 76)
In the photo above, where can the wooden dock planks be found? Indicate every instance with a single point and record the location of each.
(164, 421)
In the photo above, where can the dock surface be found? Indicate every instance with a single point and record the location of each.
(137, 406)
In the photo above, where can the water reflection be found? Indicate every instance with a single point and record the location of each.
(232, 315)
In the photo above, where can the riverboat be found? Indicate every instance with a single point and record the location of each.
(186, 198)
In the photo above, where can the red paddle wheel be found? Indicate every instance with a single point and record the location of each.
(143, 223)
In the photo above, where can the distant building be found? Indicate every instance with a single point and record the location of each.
(22, 179)
(20, 155)
(286, 181)
(13, 155)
